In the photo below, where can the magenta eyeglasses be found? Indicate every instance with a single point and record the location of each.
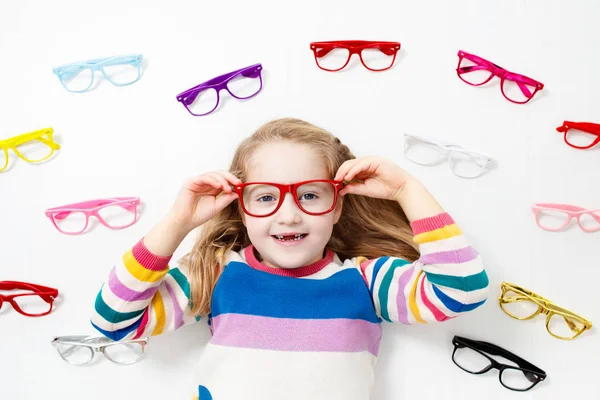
(114, 213)
(477, 71)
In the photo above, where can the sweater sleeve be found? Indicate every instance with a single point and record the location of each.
(446, 281)
(142, 297)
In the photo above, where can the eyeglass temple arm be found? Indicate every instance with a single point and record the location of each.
(499, 351)
(189, 95)
(121, 60)
(567, 207)
(46, 293)
(127, 205)
(588, 127)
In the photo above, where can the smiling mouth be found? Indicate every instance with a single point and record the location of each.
(290, 238)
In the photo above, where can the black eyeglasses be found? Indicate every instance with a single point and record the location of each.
(469, 355)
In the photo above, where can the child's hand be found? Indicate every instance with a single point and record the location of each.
(202, 197)
(380, 178)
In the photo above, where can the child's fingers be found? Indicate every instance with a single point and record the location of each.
(223, 182)
(343, 170)
(224, 200)
(197, 184)
(231, 178)
(357, 169)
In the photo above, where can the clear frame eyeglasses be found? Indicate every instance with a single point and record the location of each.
(78, 77)
(81, 349)
(427, 151)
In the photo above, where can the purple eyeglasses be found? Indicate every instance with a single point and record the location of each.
(204, 98)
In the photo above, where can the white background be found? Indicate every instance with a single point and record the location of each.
(140, 141)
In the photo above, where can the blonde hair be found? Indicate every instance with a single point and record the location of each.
(367, 227)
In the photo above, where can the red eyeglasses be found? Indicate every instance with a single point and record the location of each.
(262, 199)
(580, 135)
(36, 303)
(375, 55)
(476, 71)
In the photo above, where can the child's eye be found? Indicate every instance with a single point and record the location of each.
(309, 196)
(266, 198)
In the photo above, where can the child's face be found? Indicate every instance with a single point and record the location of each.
(287, 163)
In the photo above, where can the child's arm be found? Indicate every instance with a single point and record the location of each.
(142, 296)
(447, 280)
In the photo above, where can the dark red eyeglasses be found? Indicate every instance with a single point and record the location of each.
(315, 197)
(374, 55)
(580, 135)
(38, 300)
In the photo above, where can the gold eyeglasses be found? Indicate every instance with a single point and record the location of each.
(523, 304)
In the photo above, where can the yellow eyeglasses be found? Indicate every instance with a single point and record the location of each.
(32, 147)
(523, 304)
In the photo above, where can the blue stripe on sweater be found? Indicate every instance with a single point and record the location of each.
(118, 334)
(244, 290)
(453, 305)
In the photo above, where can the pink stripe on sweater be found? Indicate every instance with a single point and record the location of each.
(290, 334)
(363, 269)
(431, 223)
(439, 316)
(142, 327)
(147, 259)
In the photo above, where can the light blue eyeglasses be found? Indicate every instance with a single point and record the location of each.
(119, 70)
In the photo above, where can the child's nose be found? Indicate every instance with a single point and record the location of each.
(289, 213)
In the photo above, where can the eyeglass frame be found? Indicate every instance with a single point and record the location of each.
(47, 294)
(587, 127)
(356, 47)
(97, 344)
(285, 189)
(13, 142)
(219, 83)
(484, 347)
(545, 306)
(571, 211)
(497, 71)
(447, 150)
(90, 208)
(98, 64)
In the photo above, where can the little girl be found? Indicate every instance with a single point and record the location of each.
(296, 276)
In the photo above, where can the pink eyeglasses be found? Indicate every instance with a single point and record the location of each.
(476, 71)
(114, 213)
(580, 135)
(554, 217)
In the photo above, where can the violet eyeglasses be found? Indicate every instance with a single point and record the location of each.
(242, 84)
(477, 71)
(114, 213)
(555, 217)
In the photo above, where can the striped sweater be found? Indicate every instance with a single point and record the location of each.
(307, 333)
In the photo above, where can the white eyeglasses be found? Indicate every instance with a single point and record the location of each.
(426, 151)
(80, 349)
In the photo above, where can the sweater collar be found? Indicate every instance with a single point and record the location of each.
(294, 272)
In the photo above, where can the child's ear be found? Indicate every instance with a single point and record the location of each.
(338, 209)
